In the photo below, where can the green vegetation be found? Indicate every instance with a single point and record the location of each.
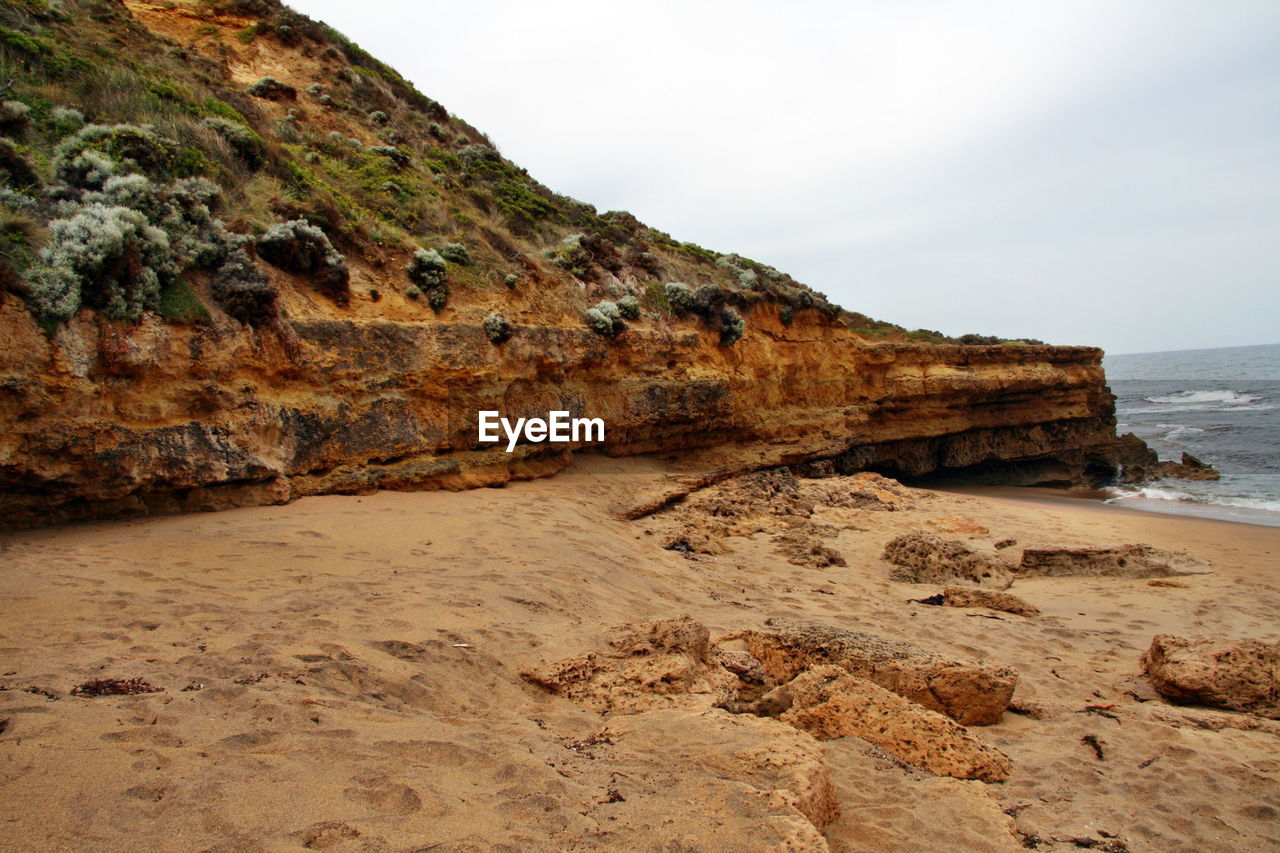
(629, 307)
(179, 302)
(301, 247)
(456, 253)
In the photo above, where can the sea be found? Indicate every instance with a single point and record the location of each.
(1221, 406)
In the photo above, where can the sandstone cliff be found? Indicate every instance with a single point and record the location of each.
(206, 367)
(170, 418)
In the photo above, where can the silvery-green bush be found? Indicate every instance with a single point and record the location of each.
(606, 319)
(599, 323)
(497, 328)
(426, 269)
(731, 326)
(299, 246)
(85, 170)
(128, 147)
(397, 156)
(456, 253)
(679, 295)
(67, 119)
(242, 289)
(108, 258)
(438, 298)
(629, 307)
(15, 117)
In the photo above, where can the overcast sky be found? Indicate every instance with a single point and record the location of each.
(1084, 172)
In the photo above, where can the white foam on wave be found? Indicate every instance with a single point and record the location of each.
(1174, 432)
(1166, 493)
(1197, 407)
(1226, 398)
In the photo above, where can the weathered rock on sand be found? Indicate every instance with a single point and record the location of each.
(1123, 561)
(924, 557)
(967, 596)
(656, 665)
(828, 702)
(1240, 675)
(802, 546)
(672, 667)
(772, 772)
(971, 694)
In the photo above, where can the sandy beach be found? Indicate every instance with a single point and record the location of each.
(345, 673)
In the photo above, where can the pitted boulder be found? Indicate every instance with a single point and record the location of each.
(969, 693)
(1240, 675)
(923, 557)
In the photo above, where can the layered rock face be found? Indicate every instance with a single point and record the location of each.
(102, 420)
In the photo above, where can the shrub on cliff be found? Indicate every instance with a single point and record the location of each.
(271, 89)
(66, 120)
(242, 289)
(570, 255)
(731, 326)
(438, 298)
(497, 328)
(456, 253)
(108, 258)
(301, 247)
(86, 170)
(15, 118)
(475, 156)
(604, 318)
(426, 269)
(629, 307)
(599, 323)
(706, 300)
(122, 149)
(679, 296)
(247, 145)
(17, 169)
(398, 157)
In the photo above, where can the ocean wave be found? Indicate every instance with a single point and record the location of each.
(1224, 397)
(1167, 493)
(1175, 432)
(1197, 407)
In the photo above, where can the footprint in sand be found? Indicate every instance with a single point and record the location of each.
(384, 796)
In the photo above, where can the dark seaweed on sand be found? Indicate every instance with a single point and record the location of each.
(114, 687)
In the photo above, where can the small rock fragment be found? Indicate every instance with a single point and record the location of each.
(963, 596)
